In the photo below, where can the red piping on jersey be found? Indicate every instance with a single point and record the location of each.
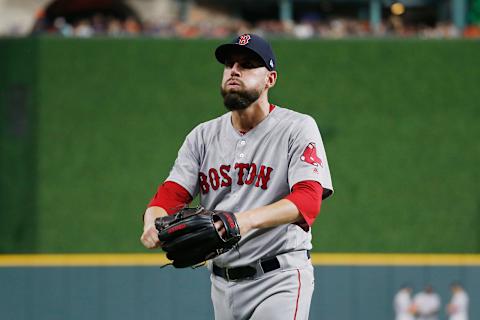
(298, 294)
(272, 106)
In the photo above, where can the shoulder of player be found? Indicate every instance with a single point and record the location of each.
(207, 127)
(291, 116)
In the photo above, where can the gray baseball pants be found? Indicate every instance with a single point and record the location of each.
(282, 294)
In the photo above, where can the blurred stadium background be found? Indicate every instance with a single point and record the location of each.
(214, 18)
(97, 96)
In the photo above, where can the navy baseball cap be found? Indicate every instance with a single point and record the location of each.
(251, 42)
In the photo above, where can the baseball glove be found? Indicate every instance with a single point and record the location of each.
(189, 237)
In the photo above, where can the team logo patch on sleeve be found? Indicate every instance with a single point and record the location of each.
(310, 155)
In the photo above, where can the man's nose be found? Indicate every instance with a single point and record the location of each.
(235, 69)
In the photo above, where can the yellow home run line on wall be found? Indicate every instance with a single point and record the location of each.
(318, 259)
(389, 259)
(81, 260)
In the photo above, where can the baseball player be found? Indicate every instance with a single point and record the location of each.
(265, 163)
(457, 309)
(403, 304)
(427, 304)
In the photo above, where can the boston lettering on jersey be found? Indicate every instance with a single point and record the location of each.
(243, 173)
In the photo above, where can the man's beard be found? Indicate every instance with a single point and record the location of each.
(239, 100)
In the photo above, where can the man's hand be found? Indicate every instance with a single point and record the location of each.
(194, 235)
(244, 222)
(220, 228)
(149, 236)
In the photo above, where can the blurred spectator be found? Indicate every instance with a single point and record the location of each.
(63, 27)
(131, 26)
(403, 304)
(472, 32)
(457, 309)
(41, 23)
(84, 29)
(304, 31)
(99, 24)
(427, 304)
(442, 30)
(114, 28)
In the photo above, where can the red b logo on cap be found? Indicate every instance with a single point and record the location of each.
(244, 39)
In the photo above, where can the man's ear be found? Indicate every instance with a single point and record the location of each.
(271, 79)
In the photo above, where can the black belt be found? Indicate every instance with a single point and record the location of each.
(239, 273)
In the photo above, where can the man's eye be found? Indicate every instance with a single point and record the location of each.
(247, 65)
(243, 64)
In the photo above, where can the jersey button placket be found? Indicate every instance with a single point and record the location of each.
(242, 143)
(239, 151)
(240, 154)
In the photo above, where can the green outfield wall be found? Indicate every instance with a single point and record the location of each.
(103, 119)
(18, 146)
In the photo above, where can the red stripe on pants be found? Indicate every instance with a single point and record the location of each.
(298, 295)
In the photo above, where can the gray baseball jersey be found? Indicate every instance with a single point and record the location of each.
(236, 172)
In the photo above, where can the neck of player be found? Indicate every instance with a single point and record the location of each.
(247, 119)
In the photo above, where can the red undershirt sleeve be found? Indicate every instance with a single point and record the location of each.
(307, 197)
(171, 197)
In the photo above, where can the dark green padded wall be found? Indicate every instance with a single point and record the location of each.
(399, 120)
(18, 145)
